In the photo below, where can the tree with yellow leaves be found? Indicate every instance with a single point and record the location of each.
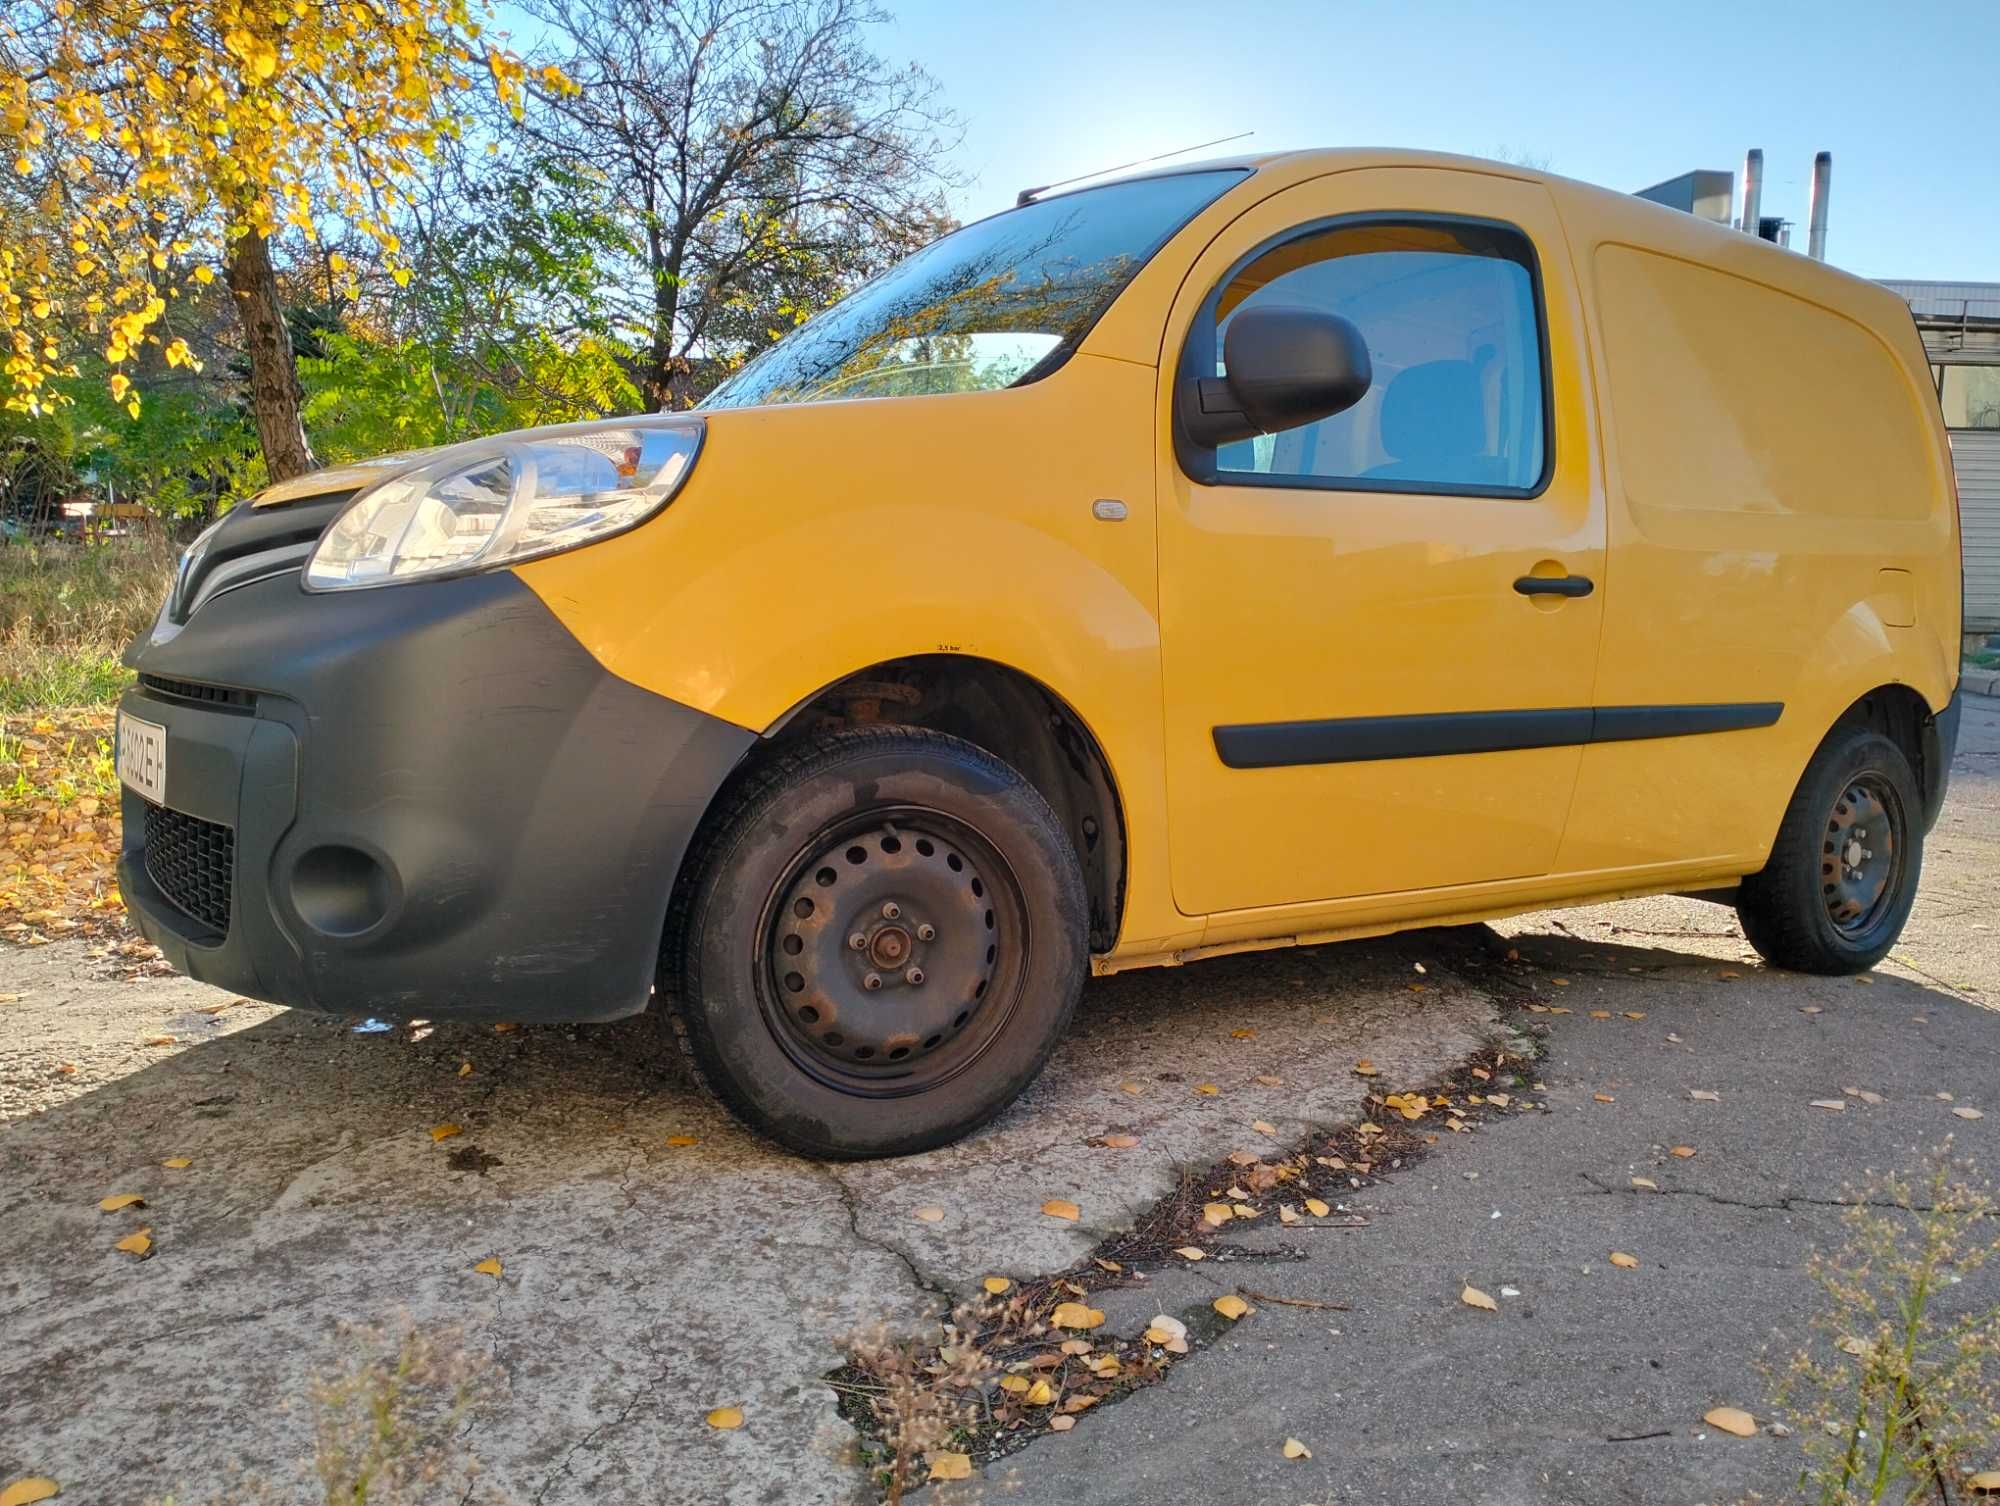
(150, 143)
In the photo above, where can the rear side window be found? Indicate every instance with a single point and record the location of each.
(1971, 396)
(1451, 316)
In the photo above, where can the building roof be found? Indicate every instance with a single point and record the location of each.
(1947, 300)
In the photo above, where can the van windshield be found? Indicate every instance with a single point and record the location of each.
(1002, 301)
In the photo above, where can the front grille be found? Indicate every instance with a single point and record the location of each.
(207, 695)
(193, 862)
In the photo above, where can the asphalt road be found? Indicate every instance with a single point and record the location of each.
(645, 1281)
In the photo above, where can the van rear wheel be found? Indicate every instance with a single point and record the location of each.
(884, 943)
(1843, 871)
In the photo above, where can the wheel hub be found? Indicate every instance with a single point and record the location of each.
(882, 947)
(1858, 857)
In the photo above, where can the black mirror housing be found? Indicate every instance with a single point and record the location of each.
(1287, 366)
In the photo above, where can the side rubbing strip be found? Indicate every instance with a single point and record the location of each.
(1358, 739)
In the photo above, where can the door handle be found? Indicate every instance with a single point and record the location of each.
(1554, 585)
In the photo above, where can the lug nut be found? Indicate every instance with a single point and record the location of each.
(872, 981)
(890, 910)
(926, 931)
(914, 976)
(858, 942)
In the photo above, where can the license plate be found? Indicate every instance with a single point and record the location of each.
(142, 757)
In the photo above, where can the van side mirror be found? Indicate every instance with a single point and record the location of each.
(1287, 366)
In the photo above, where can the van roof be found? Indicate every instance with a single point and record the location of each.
(1593, 214)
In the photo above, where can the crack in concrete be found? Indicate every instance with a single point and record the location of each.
(924, 1280)
(1782, 1205)
(645, 1391)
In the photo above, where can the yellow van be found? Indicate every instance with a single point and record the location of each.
(1247, 555)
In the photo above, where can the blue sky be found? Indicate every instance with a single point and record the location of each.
(1618, 94)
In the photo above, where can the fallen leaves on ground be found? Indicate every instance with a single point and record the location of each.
(1118, 1142)
(1623, 1261)
(1364, 1068)
(1206, 1089)
(1703, 1095)
(1215, 1215)
(139, 1244)
(1683, 1151)
(1317, 1208)
(27, 1492)
(996, 1284)
(465, 1069)
(1062, 1208)
(1986, 1482)
(726, 1418)
(1472, 1296)
(1191, 1252)
(949, 1466)
(59, 828)
(933, 1214)
(1230, 1306)
(1731, 1420)
(177, 1163)
(1296, 1450)
(490, 1266)
(682, 1142)
(444, 1132)
(1965, 1111)
(1075, 1315)
(1832, 1105)
(119, 1200)
(1646, 1182)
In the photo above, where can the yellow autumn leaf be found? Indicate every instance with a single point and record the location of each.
(949, 1466)
(1986, 1482)
(1230, 1306)
(1075, 1315)
(27, 1492)
(682, 1142)
(1683, 1151)
(490, 1266)
(1317, 1208)
(177, 1163)
(1296, 1450)
(1063, 1208)
(1623, 1261)
(140, 1244)
(465, 1069)
(726, 1418)
(444, 1132)
(119, 1200)
(1472, 1296)
(1191, 1252)
(1014, 1385)
(1364, 1068)
(1119, 1142)
(1263, 1127)
(1731, 1420)
(931, 1214)
(1207, 1089)
(1041, 1394)
(1215, 1215)
(996, 1284)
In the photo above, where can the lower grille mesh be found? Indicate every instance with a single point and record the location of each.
(193, 862)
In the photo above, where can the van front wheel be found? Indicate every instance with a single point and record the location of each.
(884, 943)
(1843, 871)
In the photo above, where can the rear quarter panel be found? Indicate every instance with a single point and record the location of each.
(1781, 522)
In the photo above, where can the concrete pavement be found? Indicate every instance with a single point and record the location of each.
(645, 1281)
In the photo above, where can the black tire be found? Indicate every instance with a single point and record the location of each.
(1843, 872)
(875, 854)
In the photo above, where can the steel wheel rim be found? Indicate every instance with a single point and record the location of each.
(893, 949)
(1861, 855)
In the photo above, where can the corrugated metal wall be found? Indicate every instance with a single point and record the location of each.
(1975, 456)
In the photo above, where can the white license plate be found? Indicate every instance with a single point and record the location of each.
(142, 757)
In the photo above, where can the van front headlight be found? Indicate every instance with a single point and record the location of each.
(494, 502)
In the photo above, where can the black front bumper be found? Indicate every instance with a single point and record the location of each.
(425, 800)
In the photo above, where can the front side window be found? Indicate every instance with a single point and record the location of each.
(1449, 312)
(996, 303)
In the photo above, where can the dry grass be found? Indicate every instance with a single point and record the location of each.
(66, 613)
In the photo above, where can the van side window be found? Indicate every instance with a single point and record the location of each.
(1451, 317)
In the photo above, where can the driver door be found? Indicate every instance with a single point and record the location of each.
(1380, 630)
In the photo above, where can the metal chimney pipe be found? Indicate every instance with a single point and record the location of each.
(1822, 180)
(1753, 189)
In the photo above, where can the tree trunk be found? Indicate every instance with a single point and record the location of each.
(274, 380)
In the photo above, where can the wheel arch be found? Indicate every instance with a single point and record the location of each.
(1898, 712)
(1009, 713)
